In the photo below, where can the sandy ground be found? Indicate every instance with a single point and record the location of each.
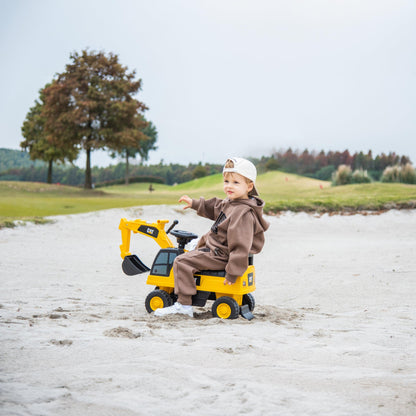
(333, 334)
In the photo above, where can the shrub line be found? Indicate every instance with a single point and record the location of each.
(346, 210)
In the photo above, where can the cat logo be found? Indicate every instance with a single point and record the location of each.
(150, 231)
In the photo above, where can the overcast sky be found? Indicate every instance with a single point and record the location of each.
(230, 77)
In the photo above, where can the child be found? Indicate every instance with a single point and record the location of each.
(238, 230)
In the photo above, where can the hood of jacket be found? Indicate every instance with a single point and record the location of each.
(256, 204)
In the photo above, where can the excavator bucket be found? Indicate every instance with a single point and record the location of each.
(133, 265)
(246, 312)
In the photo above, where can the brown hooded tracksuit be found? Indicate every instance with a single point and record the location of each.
(237, 232)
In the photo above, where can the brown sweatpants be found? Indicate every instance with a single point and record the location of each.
(186, 265)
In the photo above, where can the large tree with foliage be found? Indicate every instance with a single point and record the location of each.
(92, 106)
(36, 142)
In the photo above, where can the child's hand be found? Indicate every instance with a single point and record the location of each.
(227, 282)
(185, 198)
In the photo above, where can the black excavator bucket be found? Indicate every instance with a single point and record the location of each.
(246, 312)
(133, 265)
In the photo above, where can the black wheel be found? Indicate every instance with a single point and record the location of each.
(225, 308)
(248, 299)
(157, 299)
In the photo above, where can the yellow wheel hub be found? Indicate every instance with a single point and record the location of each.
(156, 302)
(223, 311)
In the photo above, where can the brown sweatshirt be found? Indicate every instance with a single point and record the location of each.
(237, 232)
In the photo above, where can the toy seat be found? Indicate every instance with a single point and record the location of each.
(221, 273)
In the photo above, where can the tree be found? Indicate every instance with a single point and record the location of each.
(321, 160)
(306, 162)
(149, 144)
(346, 158)
(360, 161)
(272, 164)
(145, 145)
(199, 172)
(91, 106)
(36, 142)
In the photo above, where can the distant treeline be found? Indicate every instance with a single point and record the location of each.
(73, 175)
(17, 166)
(10, 158)
(321, 165)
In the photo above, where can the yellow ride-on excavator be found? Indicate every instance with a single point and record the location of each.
(229, 300)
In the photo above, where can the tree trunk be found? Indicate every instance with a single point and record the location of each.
(127, 169)
(88, 179)
(49, 180)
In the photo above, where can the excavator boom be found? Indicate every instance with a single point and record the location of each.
(155, 230)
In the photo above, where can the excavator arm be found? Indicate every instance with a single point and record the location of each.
(155, 230)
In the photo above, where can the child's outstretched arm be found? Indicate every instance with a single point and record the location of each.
(185, 198)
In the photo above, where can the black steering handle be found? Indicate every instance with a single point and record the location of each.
(184, 234)
(171, 227)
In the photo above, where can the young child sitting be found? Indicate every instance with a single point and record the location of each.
(238, 231)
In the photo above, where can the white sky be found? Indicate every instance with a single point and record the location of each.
(230, 77)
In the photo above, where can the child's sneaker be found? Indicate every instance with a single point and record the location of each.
(176, 308)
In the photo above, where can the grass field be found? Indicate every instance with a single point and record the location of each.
(30, 201)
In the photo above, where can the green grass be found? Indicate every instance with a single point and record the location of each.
(30, 201)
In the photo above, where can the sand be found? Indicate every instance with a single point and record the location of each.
(334, 330)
